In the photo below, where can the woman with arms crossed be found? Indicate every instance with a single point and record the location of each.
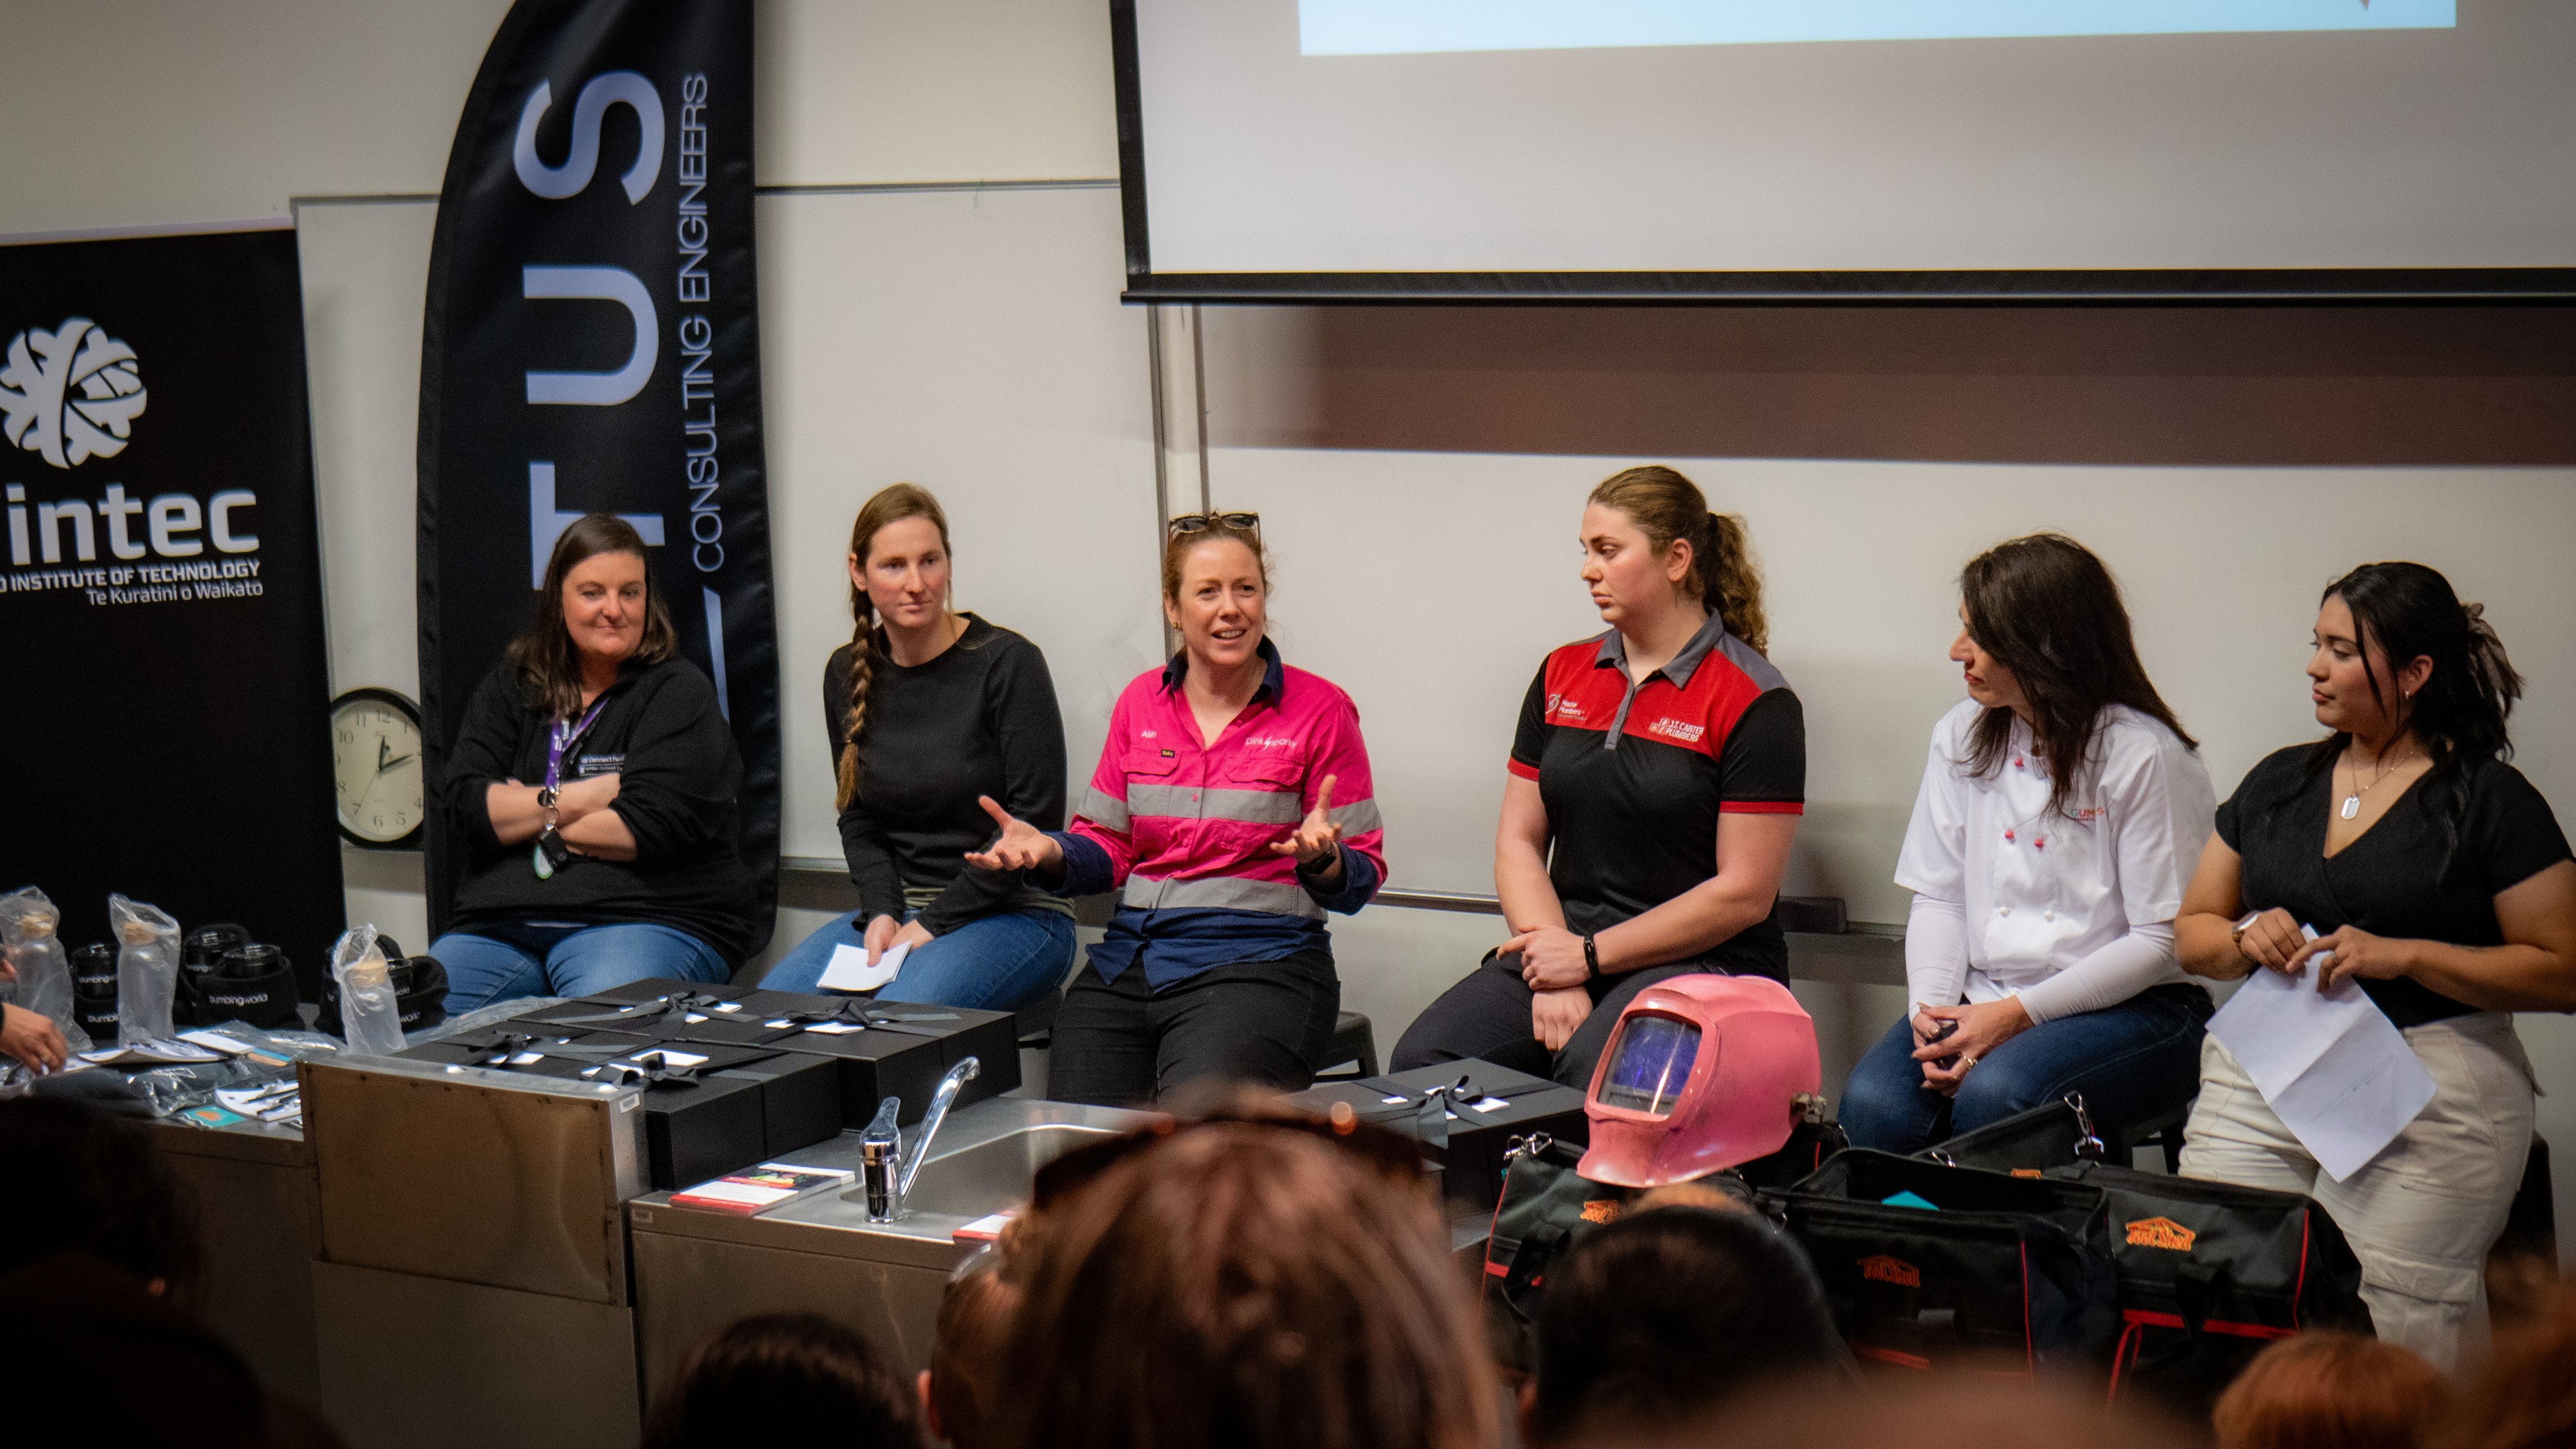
(1232, 803)
(927, 711)
(1665, 761)
(2059, 815)
(621, 860)
(2439, 880)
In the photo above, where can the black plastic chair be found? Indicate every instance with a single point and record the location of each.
(1353, 1046)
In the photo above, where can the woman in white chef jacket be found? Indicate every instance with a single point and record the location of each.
(2061, 812)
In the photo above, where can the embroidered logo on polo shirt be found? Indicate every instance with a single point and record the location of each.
(1675, 729)
(2161, 1233)
(1884, 1269)
(1564, 708)
(1270, 742)
(2087, 814)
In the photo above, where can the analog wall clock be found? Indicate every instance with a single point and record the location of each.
(375, 764)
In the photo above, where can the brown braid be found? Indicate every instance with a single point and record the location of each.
(892, 503)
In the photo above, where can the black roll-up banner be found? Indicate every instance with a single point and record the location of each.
(592, 344)
(164, 694)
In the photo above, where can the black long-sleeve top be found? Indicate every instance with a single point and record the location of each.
(662, 735)
(980, 719)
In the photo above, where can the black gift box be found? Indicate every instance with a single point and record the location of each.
(800, 1100)
(640, 991)
(1477, 1133)
(704, 1121)
(876, 1063)
(717, 1029)
(770, 1004)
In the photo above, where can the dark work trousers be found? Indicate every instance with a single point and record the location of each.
(1121, 1043)
(1487, 1016)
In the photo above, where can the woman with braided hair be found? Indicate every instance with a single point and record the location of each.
(927, 709)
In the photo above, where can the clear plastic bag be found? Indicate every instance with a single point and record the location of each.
(272, 1054)
(147, 970)
(28, 923)
(368, 1008)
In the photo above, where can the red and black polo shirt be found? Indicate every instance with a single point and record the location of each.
(1635, 776)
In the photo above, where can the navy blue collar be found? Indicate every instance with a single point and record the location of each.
(1274, 677)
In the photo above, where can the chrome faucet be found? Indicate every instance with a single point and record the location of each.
(887, 1169)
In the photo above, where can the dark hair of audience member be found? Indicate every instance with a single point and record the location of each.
(1245, 1284)
(2526, 1396)
(1659, 1318)
(784, 1378)
(958, 1389)
(76, 1178)
(2332, 1391)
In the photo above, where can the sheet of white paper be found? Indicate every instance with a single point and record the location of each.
(2333, 1067)
(850, 971)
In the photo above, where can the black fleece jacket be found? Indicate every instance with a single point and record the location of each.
(662, 736)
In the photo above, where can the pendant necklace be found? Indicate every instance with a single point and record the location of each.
(2352, 802)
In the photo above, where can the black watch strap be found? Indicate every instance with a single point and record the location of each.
(1591, 959)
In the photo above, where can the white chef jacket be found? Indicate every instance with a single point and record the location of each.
(2070, 911)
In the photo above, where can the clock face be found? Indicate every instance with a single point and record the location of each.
(375, 764)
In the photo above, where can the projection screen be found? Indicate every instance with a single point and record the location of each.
(1526, 149)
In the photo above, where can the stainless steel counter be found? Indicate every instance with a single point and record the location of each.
(698, 1270)
(256, 1206)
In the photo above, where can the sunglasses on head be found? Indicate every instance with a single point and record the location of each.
(1189, 523)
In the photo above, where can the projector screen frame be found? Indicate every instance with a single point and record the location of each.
(2522, 286)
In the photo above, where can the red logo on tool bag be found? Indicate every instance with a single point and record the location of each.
(1884, 1269)
(2161, 1233)
(1601, 1210)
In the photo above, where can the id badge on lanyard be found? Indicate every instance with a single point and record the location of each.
(566, 734)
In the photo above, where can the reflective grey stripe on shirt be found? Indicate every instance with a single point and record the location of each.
(1357, 819)
(1103, 810)
(1187, 802)
(1221, 893)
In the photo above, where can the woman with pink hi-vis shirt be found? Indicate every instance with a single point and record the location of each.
(1231, 809)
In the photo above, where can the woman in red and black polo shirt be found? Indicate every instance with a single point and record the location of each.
(1665, 762)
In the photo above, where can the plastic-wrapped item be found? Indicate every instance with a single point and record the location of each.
(267, 1056)
(27, 932)
(368, 1008)
(147, 970)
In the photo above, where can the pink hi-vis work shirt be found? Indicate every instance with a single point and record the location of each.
(1185, 829)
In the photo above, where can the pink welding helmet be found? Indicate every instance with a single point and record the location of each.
(1702, 1073)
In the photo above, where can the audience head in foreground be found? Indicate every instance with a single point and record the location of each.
(2332, 1391)
(1665, 1315)
(2526, 1398)
(80, 1178)
(960, 1390)
(1244, 1283)
(785, 1378)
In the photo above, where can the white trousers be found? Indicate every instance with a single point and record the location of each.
(2421, 1215)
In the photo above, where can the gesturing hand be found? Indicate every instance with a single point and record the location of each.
(1022, 846)
(1316, 837)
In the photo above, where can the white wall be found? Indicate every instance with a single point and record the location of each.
(972, 342)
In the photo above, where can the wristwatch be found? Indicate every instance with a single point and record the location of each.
(2236, 934)
(546, 798)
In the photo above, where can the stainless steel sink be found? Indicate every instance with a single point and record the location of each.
(989, 1176)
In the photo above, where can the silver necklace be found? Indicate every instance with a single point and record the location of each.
(2352, 802)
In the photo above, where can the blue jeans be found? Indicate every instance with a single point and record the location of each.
(2131, 1061)
(530, 958)
(999, 962)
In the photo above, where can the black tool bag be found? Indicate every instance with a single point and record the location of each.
(2210, 1273)
(1547, 1207)
(2001, 1271)
(2025, 1144)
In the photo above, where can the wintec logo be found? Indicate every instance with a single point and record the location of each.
(2161, 1233)
(1884, 1269)
(71, 394)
